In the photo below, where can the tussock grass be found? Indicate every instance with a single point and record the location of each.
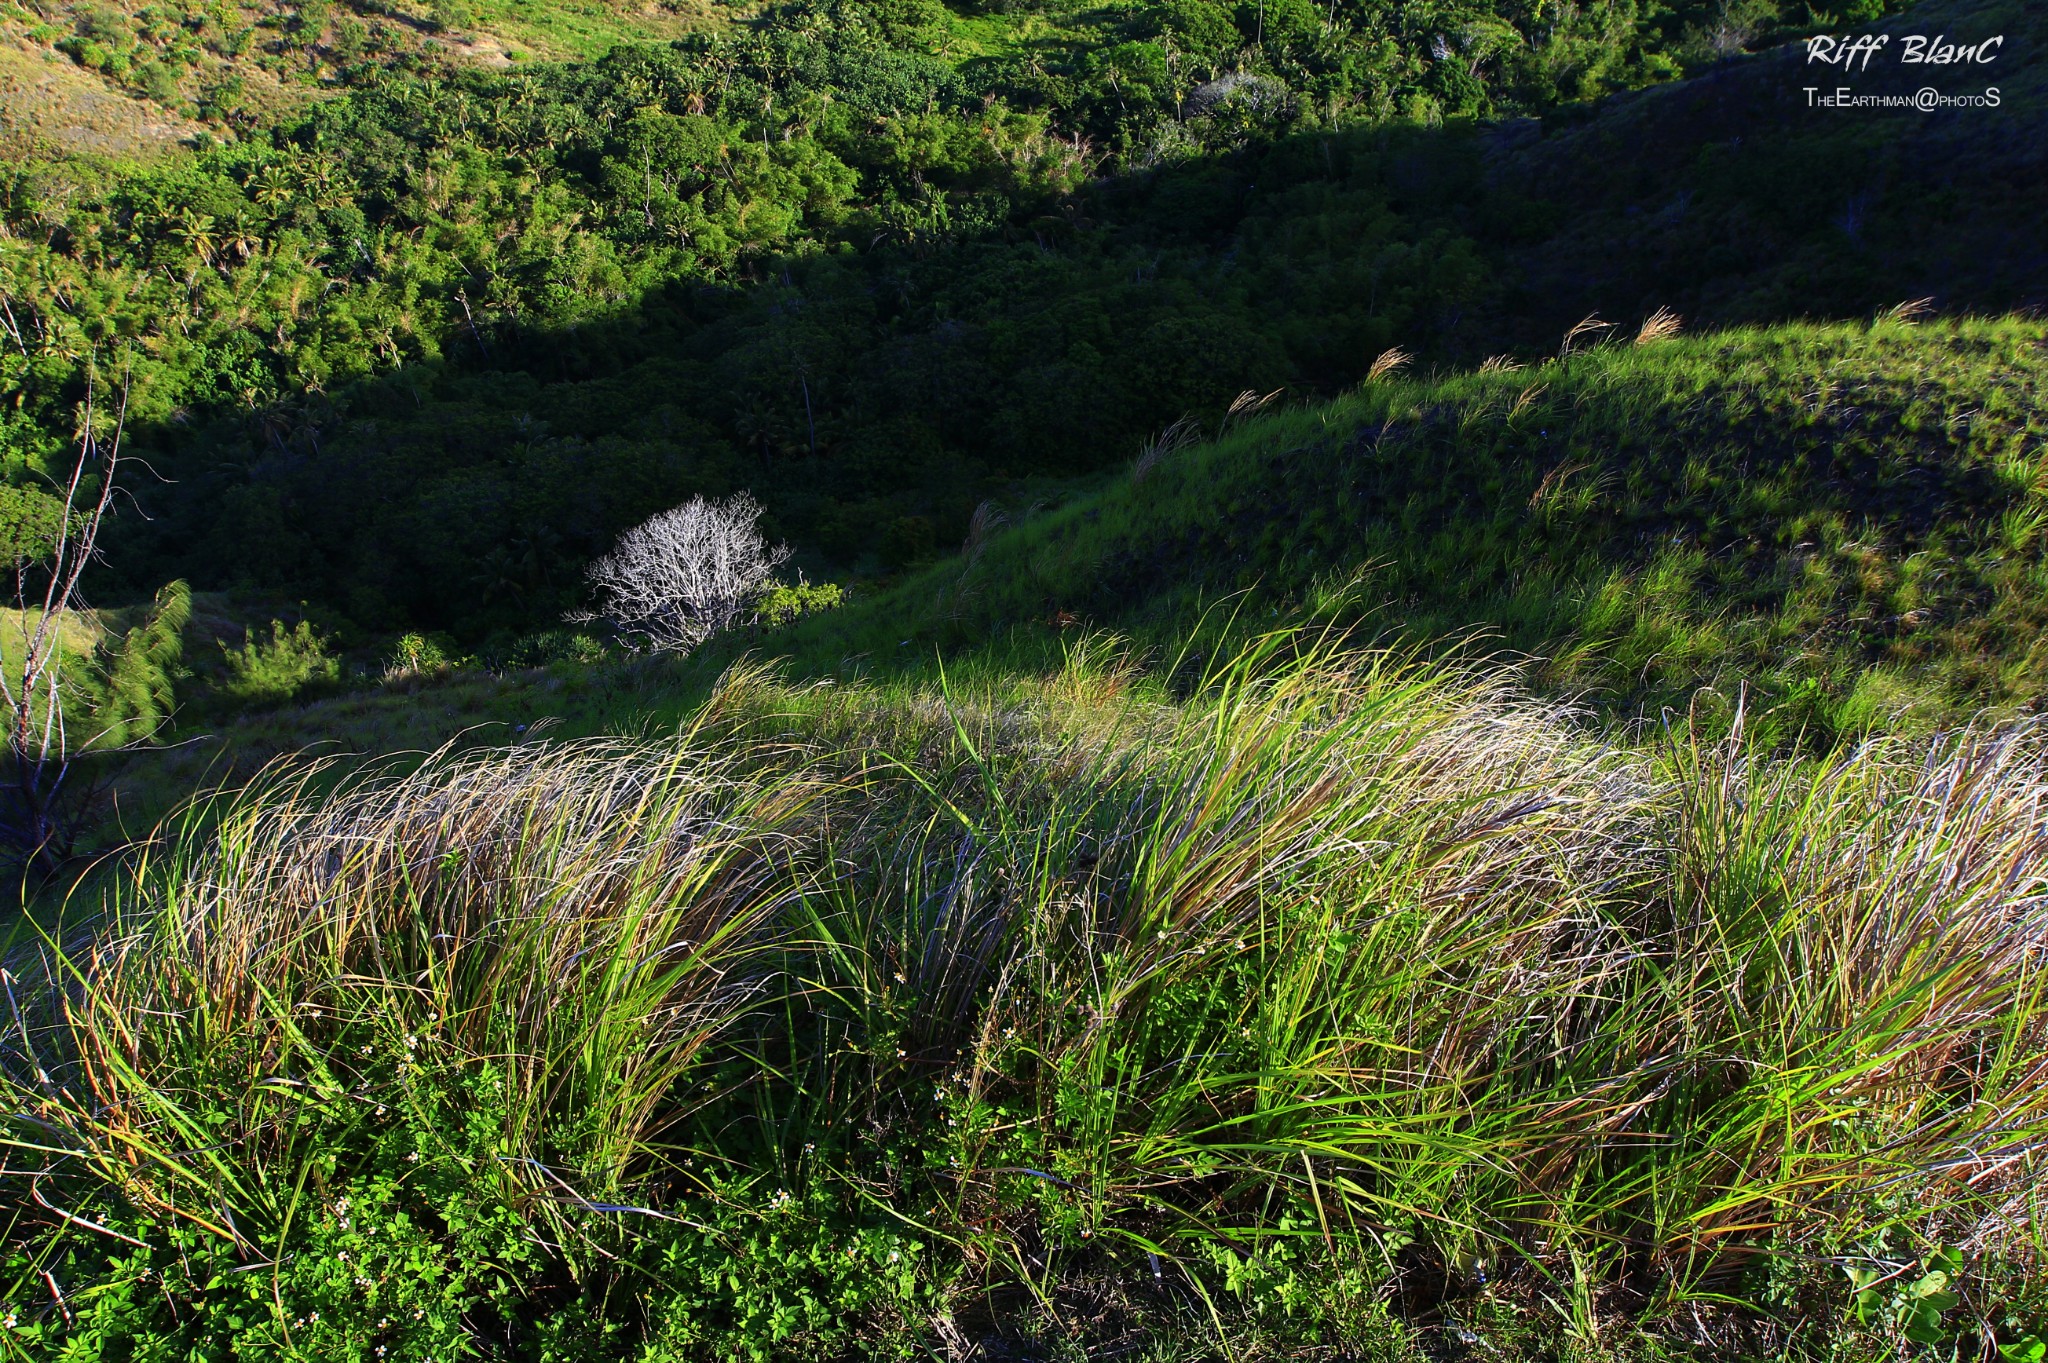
(1346, 988)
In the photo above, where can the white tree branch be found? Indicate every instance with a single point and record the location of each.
(682, 576)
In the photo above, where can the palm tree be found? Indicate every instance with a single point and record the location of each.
(271, 187)
(241, 237)
(498, 577)
(197, 231)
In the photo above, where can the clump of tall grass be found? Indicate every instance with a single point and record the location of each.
(1177, 436)
(1660, 325)
(1349, 980)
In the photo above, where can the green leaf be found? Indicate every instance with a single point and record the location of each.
(1928, 1285)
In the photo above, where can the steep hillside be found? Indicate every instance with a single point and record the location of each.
(1528, 849)
(1849, 522)
(418, 353)
(1851, 518)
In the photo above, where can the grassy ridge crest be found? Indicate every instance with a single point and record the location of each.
(1849, 517)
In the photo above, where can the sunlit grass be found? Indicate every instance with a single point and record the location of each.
(1350, 979)
(1845, 518)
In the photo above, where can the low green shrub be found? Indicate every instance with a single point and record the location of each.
(290, 663)
(416, 654)
(783, 603)
(551, 646)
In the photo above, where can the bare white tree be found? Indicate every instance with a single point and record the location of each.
(682, 576)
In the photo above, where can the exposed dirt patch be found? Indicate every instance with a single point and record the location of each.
(47, 104)
(485, 49)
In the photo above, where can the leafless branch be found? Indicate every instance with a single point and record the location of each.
(682, 576)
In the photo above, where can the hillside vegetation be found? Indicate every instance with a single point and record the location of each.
(1850, 520)
(1415, 824)
(1844, 523)
(1349, 1005)
(420, 353)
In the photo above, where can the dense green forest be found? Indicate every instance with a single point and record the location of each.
(416, 351)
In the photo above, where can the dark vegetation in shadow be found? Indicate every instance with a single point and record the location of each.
(871, 397)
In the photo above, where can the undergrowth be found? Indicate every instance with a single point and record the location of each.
(1350, 1006)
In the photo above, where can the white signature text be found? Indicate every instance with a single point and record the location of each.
(1915, 49)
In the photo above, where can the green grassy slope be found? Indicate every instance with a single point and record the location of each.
(1852, 517)
(1849, 520)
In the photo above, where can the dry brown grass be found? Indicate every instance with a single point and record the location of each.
(1389, 361)
(1174, 438)
(1660, 325)
(49, 105)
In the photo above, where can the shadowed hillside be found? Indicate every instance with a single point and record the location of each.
(1731, 199)
(1851, 518)
(418, 353)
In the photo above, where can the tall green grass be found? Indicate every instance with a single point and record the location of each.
(1349, 992)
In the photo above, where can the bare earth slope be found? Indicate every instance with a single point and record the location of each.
(49, 104)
